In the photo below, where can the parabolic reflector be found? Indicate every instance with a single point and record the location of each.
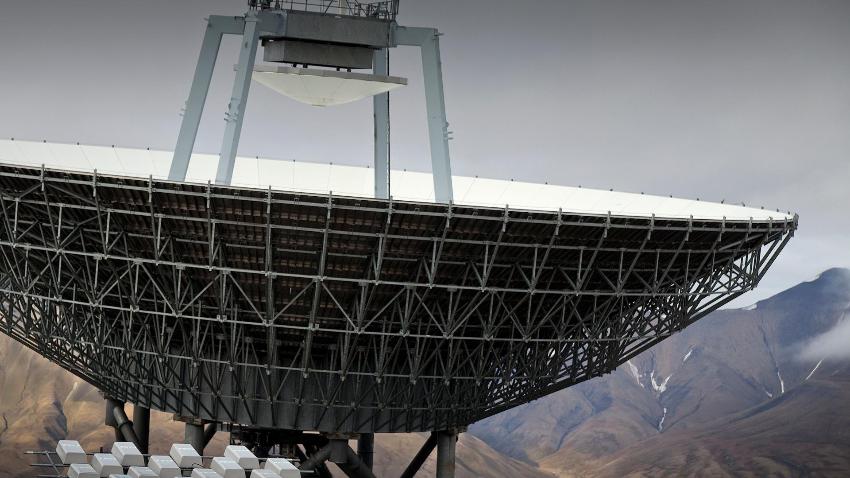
(324, 87)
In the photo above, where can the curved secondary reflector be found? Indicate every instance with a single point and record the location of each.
(324, 87)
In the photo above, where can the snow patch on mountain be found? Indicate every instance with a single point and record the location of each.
(635, 372)
(661, 422)
(662, 387)
(751, 307)
(813, 370)
(688, 355)
(781, 383)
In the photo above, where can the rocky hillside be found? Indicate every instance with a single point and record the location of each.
(713, 400)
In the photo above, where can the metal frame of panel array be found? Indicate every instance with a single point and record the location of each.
(306, 312)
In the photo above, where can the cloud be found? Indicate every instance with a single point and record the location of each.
(831, 345)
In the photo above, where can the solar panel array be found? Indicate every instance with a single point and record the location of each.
(125, 460)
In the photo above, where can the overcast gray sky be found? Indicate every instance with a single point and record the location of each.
(742, 100)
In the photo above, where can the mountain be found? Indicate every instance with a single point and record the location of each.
(712, 400)
(732, 395)
(40, 403)
(799, 433)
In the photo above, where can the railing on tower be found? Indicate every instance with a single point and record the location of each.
(385, 10)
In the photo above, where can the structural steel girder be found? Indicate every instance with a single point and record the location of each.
(273, 23)
(305, 312)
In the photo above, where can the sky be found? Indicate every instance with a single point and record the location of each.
(736, 100)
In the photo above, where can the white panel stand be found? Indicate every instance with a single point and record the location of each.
(164, 466)
(105, 464)
(227, 467)
(185, 455)
(141, 472)
(70, 452)
(282, 468)
(127, 454)
(242, 456)
(82, 470)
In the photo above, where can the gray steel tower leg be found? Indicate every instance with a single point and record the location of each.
(141, 426)
(239, 99)
(381, 106)
(194, 435)
(196, 101)
(435, 103)
(428, 40)
(366, 449)
(446, 442)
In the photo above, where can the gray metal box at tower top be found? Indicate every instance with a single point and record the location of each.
(318, 54)
(342, 41)
(339, 29)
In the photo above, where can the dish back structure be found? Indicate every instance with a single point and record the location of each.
(305, 312)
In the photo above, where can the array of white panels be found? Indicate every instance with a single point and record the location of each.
(237, 460)
(359, 182)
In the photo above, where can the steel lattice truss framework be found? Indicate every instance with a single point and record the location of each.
(305, 312)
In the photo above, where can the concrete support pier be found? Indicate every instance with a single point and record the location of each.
(195, 436)
(142, 426)
(446, 444)
(366, 448)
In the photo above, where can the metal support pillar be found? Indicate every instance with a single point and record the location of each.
(125, 426)
(195, 103)
(422, 455)
(194, 435)
(239, 99)
(109, 417)
(366, 449)
(116, 418)
(317, 458)
(318, 467)
(353, 466)
(142, 426)
(428, 40)
(342, 455)
(446, 443)
(438, 126)
(381, 107)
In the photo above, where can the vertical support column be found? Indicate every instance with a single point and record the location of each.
(438, 132)
(239, 99)
(195, 103)
(446, 443)
(381, 107)
(109, 416)
(194, 435)
(141, 425)
(366, 448)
